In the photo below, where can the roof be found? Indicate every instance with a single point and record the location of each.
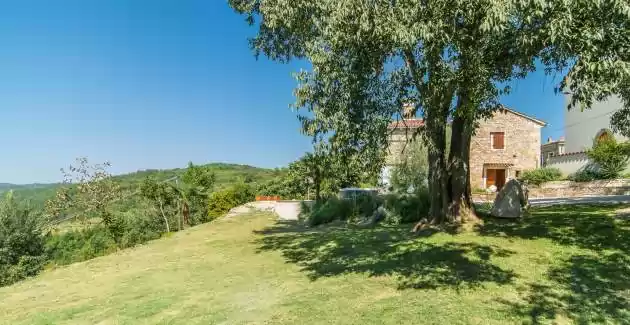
(406, 123)
(570, 154)
(533, 119)
(552, 142)
(498, 164)
(416, 123)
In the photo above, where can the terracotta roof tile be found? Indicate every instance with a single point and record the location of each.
(407, 123)
(569, 153)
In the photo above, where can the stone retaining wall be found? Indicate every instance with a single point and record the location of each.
(572, 189)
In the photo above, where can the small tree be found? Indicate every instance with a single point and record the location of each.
(193, 192)
(88, 191)
(611, 157)
(412, 170)
(307, 173)
(159, 193)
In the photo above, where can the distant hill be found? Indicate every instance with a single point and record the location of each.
(9, 186)
(226, 174)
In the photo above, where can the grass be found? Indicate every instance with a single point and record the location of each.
(561, 265)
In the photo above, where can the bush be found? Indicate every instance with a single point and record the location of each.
(140, 229)
(541, 175)
(136, 227)
(610, 157)
(329, 210)
(360, 208)
(585, 175)
(81, 245)
(21, 242)
(220, 202)
(407, 208)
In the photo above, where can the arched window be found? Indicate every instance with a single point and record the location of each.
(603, 135)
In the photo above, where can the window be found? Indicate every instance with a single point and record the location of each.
(497, 140)
(549, 155)
(517, 174)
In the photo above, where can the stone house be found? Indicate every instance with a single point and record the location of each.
(551, 149)
(503, 146)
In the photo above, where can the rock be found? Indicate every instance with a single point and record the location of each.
(510, 201)
(379, 215)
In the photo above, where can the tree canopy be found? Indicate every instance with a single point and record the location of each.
(451, 59)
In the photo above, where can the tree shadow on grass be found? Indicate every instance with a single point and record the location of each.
(589, 288)
(586, 226)
(586, 289)
(415, 263)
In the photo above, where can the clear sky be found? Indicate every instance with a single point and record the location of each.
(155, 84)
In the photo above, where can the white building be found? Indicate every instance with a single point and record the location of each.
(583, 127)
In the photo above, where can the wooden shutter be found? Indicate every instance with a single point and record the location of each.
(498, 141)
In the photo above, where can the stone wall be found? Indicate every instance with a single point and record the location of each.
(399, 140)
(571, 189)
(522, 146)
(551, 149)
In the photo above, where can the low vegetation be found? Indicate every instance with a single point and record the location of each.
(609, 157)
(93, 213)
(220, 202)
(560, 265)
(541, 175)
(21, 241)
(394, 209)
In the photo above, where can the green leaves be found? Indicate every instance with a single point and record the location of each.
(450, 58)
(610, 157)
(89, 190)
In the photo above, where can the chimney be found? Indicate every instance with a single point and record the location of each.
(409, 110)
(561, 138)
(549, 140)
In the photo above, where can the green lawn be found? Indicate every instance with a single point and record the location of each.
(561, 265)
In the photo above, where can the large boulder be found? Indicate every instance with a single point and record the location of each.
(511, 201)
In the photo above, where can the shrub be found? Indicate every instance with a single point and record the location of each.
(541, 175)
(406, 208)
(479, 191)
(364, 206)
(26, 266)
(21, 242)
(140, 228)
(329, 210)
(80, 245)
(611, 157)
(585, 175)
(220, 202)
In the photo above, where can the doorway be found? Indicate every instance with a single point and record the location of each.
(495, 177)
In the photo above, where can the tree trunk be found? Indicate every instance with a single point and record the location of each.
(179, 216)
(460, 206)
(168, 229)
(436, 146)
(318, 184)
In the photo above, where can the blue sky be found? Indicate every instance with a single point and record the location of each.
(155, 84)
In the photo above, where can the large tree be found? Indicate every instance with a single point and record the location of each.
(451, 59)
